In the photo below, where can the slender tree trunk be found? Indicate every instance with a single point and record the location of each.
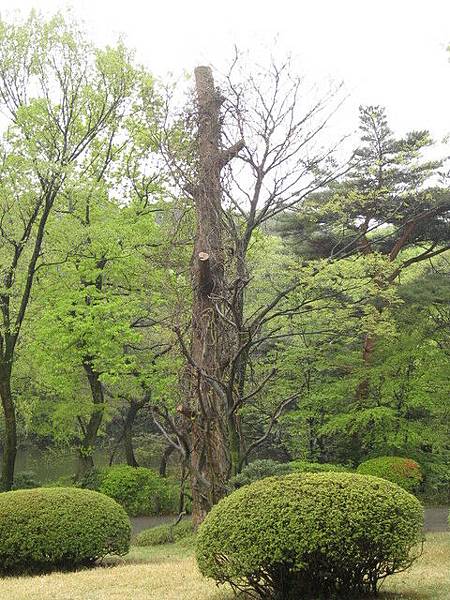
(238, 447)
(165, 459)
(128, 433)
(10, 440)
(363, 389)
(90, 431)
(210, 449)
(362, 392)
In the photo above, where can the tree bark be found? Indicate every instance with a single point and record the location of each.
(363, 388)
(128, 433)
(234, 423)
(90, 431)
(362, 391)
(10, 440)
(210, 449)
(165, 459)
(12, 327)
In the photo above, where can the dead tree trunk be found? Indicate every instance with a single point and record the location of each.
(210, 448)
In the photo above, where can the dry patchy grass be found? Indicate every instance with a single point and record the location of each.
(428, 578)
(175, 578)
(169, 573)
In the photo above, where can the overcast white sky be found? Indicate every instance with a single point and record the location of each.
(389, 53)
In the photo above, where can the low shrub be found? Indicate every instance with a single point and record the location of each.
(258, 469)
(25, 481)
(92, 479)
(164, 534)
(171, 498)
(64, 481)
(141, 491)
(303, 466)
(48, 528)
(405, 472)
(436, 485)
(310, 535)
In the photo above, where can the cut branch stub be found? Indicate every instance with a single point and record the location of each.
(206, 282)
(229, 153)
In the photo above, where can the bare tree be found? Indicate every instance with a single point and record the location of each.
(278, 162)
(205, 407)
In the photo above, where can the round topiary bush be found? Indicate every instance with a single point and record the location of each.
(405, 472)
(310, 535)
(141, 491)
(46, 528)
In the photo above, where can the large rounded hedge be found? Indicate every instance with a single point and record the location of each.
(303, 535)
(45, 528)
(141, 491)
(405, 472)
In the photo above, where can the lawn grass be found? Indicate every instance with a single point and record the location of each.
(428, 578)
(169, 573)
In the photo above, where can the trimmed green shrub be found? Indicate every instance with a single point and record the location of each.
(171, 499)
(405, 472)
(436, 485)
(164, 534)
(141, 491)
(258, 469)
(307, 535)
(303, 466)
(25, 481)
(62, 481)
(48, 528)
(92, 479)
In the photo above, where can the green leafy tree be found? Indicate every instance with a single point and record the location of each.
(393, 204)
(64, 101)
(406, 410)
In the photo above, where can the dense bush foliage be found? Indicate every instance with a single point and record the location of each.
(164, 534)
(25, 481)
(258, 469)
(47, 528)
(304, 466)
(92, 479)
(436, 485)
(405, 472)
(139, 490)
(303, 535)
